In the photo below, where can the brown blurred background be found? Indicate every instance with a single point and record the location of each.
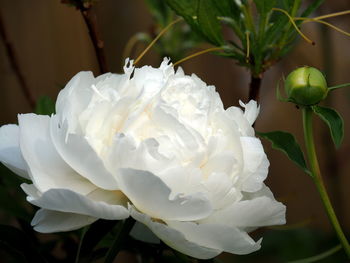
(52, 44)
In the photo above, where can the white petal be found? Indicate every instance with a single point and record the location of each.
(220, 237)
(125, 153)
(77, 152)
(151, 196)
(48, 221)
(174, 238)
(220, 163)
(251, 111)
(255, 164)
(226, 138)
(237, 116)
(31, 190)
(74, 98)
(261, 211)
(47, 169)
(148, 73)
(255, 180)
(264, 191)
(10, 153)
(253, 153)
(143, 233)
(180, 134)
(183, 180)
(64, 200)
(221, 190)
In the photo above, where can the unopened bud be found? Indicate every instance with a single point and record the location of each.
(306, 86)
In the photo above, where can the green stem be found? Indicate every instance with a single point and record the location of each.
(339, 86)
(319, 256)
(81, 243)
(124, 227)
(316, 175)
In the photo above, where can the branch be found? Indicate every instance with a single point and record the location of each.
(91, 22)
(254, 88)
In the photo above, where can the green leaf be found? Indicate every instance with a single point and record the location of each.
(278, 24)
(185, 8)
(288, 4)
(208, 21)
(278, 93)
(201, 15)
(264, 6)
(334, 121)
(312, 7)
(286, 143)
(160, 11)
(45, 106)
(96, 232)
(227, 8)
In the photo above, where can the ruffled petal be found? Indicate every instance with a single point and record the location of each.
(215, 236)
(64, 200)
(174, 238)
(74, 98)
(236, 115)
(48, 221)
(251, 111)
(255, 180)
(77, 152)
(10, 152)
(152, 196)
(125, 153)
(261, 211)
(255, 164)
(47, 169)
(221, 190)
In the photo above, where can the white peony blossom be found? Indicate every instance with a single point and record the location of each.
(153, 144)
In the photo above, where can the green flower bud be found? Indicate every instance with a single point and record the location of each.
(306, 86)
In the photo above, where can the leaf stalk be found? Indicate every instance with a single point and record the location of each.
(317, 178)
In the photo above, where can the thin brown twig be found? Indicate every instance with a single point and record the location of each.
(91, 23)
(15, 65)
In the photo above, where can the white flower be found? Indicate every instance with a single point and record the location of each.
(153, 144)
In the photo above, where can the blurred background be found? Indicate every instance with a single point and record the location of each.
(51, 44)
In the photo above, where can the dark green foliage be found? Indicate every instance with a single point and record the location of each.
(286, 143)
(45, 106)
(334, 121)
(271, 35)
(175, 43)
(208, 22)
(264, 6)
(160, 11)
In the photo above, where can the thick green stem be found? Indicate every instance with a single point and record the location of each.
(122, 233)
(316, 175)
